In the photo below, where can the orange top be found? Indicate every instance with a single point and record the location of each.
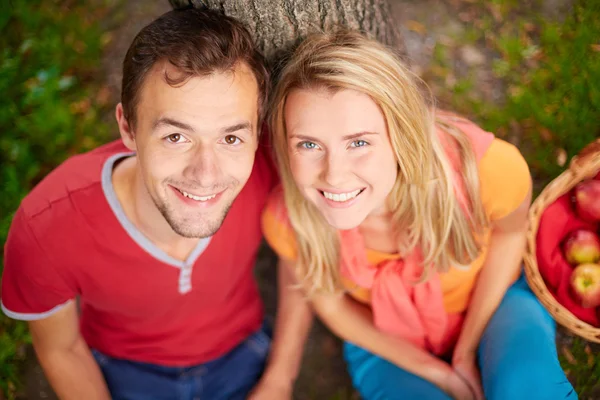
(505, 181)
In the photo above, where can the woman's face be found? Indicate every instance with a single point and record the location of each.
(340, 153)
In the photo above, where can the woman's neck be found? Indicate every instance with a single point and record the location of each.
(379, 233)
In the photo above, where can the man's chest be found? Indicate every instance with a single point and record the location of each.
(135, 288)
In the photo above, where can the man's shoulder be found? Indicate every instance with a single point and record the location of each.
(78, 172)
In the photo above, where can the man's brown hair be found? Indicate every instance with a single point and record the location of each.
(197, 42)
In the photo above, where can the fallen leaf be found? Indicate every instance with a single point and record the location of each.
(80, 107)
(595, 47)
(79, 46)
(591, 359)
(472, 56)
(103, 95)
(515, 91)
(495, 10)
(450, 80)
(416, 27)
(545, 134)
(569, 356)
(439, 71)
(561, 160)
(465, 16)
(106, 38)
(446, 41)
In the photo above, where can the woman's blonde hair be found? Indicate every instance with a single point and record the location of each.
(423, 200)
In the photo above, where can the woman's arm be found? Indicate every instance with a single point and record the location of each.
(502, 264)
(353, 322)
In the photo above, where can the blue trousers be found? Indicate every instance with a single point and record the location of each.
(230, 377)
(517, 358)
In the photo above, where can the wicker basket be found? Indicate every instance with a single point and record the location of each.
(585, 165)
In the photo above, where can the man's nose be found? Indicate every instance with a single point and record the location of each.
(203, 166)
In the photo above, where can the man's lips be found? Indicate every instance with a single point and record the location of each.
(196, 197)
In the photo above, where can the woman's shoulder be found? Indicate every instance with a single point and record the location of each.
(505, 179)
(479, 138)
(276, 226)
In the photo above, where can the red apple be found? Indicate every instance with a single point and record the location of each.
(582, 246)
(585, 284)
(587, 200)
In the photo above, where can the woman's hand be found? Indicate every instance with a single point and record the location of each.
(457, 387)
(465, 366)
(270, 389)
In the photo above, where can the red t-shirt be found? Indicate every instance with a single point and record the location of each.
(70, 238)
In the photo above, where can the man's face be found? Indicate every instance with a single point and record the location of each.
(195, 145)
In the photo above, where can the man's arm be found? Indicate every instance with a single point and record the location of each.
(65, 357)
(294, 319)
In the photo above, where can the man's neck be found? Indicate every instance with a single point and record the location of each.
(141, 211)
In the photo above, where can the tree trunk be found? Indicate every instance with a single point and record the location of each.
(279, 24)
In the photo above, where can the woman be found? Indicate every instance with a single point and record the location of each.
(404, 226)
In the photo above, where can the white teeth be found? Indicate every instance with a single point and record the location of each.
(341, 197)
(198, 198)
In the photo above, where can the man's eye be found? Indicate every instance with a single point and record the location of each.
(232, 139)
(174, 138)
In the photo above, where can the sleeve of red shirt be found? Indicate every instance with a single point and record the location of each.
(32, 288)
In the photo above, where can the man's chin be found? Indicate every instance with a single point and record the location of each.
(195, 225)
(200, 230)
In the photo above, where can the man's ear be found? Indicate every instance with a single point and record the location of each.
(125, 128)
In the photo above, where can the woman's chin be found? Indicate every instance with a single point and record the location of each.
(343, 224)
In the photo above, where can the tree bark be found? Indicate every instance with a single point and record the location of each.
(277, 25)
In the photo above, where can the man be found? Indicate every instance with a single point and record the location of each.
(156, 234)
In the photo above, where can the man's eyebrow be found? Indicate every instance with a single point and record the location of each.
(238, 127)
(171, 122)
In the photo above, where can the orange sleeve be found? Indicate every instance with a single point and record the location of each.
(276, 227)
(505, 179)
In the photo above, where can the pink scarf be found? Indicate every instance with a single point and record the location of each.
(401, 307)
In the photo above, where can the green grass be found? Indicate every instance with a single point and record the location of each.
(550, 72)
(581, 361)
(50, 108)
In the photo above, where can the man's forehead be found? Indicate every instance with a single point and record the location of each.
(213, 102)
(165, 73)
(167, 80)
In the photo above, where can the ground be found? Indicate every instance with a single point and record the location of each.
(424, 23)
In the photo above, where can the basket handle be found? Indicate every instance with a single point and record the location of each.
(590, 151)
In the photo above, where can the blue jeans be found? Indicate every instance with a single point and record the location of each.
(517, 358)
(230, 377)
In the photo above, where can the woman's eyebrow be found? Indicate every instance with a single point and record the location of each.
(347, 137)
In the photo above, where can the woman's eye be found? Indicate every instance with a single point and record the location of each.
(232, 139)
(308, 145)
(359, 143)
(175, 138)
